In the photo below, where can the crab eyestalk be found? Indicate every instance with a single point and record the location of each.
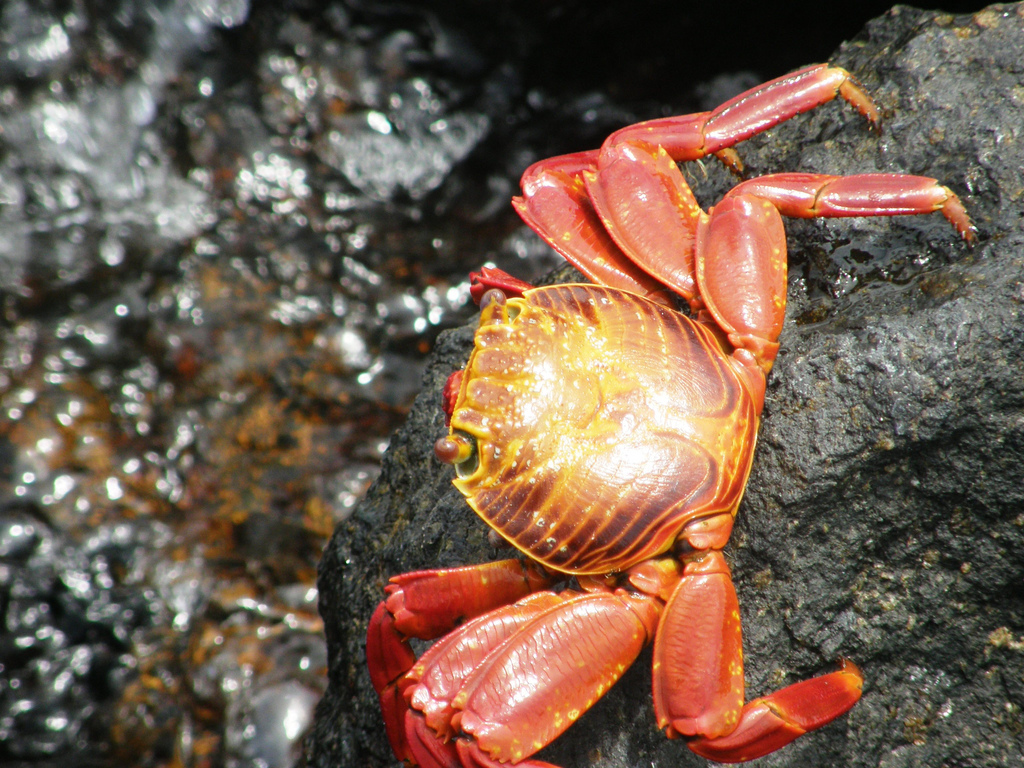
(458, 450)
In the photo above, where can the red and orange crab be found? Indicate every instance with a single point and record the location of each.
(609, 437)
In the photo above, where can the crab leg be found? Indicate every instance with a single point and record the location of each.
(691, 137)
(741, 269)
(698, 676)
(533, 686)
(771, 722)
(500, 687)
(649, 211)
(809, 195)
(733, 260)
(437, 677)
(440, 672)
(430, 752)
(556, 202)
(555, 205)
(698, 653)
(426, 605)
(389, 656)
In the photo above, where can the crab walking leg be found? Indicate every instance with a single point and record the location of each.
(698, 676)
(438, 676)
(741, 266)
(426, 605)
(771, 722)
(691, 137)
(646, 206)
(555, 205)
(540, 680)
(809, 195)
(731, 262)
(698, 653)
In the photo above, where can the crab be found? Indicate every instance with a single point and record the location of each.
(608, 436)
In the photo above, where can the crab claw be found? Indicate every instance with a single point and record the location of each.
(449, 395)
(492, 277)
(389, 656)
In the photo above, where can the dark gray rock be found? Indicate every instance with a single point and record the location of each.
(884, 518)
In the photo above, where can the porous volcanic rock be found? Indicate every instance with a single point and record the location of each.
(884, 518)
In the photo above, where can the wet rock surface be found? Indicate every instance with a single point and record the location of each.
(884, 518)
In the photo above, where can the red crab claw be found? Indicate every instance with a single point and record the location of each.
(472, 757)
(389, 656)
(492, 277)
(437, 677)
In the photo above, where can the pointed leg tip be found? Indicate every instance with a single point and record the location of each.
(955, 213)
(848, 667)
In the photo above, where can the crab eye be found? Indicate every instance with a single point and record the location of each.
(460, 450)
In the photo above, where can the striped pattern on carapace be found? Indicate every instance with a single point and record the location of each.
(603, 424)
